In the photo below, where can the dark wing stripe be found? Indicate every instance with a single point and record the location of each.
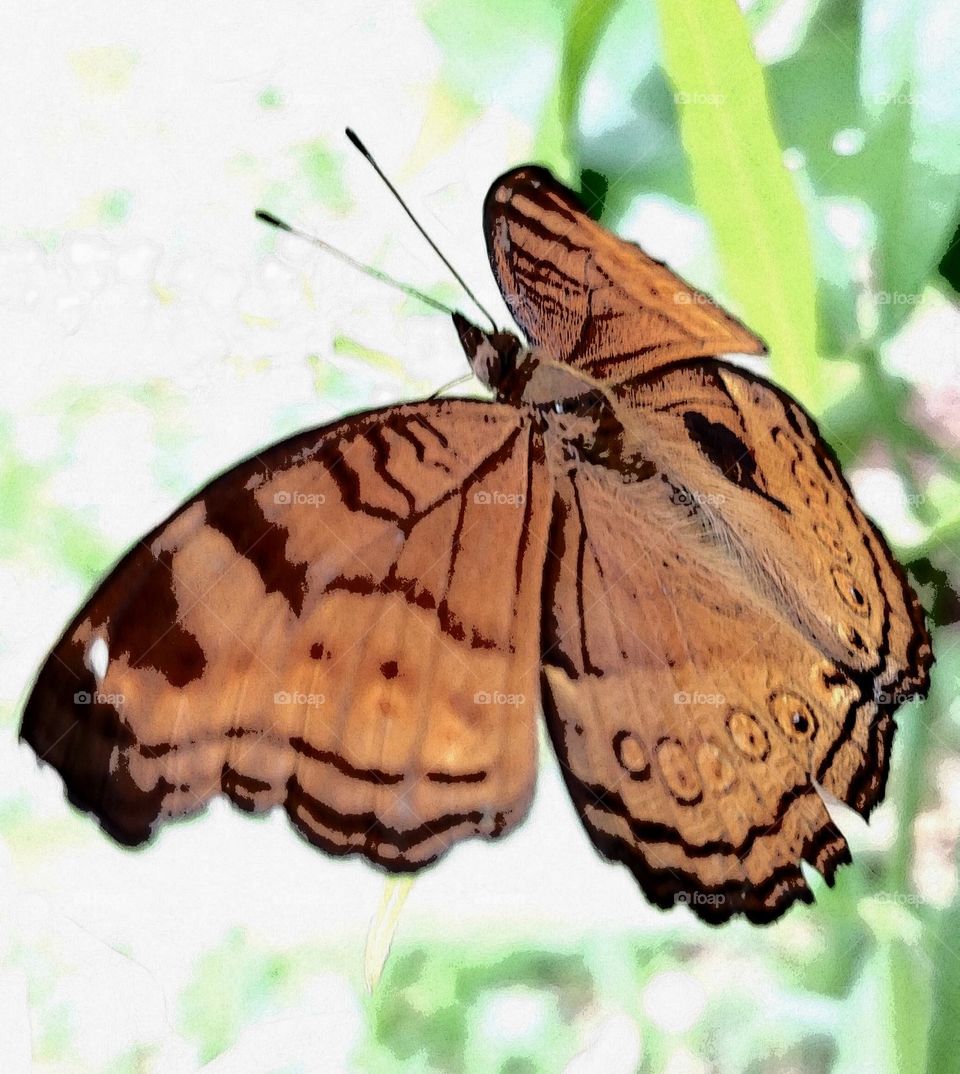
(371, 828)
(381, 457)
(648, 831)
(543, 270)
(237, 514)
(159, 640)
(589, 667)
(534, 454)
(540, 230)
(368, 775)
(466, 777)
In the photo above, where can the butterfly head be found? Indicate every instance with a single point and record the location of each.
(493, 356)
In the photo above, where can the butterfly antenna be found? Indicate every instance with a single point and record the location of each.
(376, 274)
(451, 384)
(352, 135)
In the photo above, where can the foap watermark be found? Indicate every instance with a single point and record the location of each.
(299, 499)
(692, 298)
(698, 898)
(698, 697)
(894, 697)
(499, 499)
(86, 697)
(688, 498)
(296, 697)
(497, 697)
(898, 298)
(900, 898)
(885, 99)
(714, 99)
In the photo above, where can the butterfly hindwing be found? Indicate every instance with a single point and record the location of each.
(585, 297)
(695, 699)
(306, 632)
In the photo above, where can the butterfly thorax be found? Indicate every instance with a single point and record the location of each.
(576, 409)
(495, 357)
(521, 376)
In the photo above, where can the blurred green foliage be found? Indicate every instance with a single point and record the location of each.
(234, 983)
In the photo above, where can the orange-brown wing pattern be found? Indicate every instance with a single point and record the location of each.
(752, 462)
(345, 625)
(586, 297)
(695, 702)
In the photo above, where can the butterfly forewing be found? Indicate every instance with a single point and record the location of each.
(307, 631)
(588, 298)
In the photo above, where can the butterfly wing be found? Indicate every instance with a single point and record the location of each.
(700, 677)
(751, 463)
(586, 297)
(308, 631)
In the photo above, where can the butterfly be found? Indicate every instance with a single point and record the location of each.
(357, 624)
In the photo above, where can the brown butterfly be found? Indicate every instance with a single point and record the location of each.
(357, 623)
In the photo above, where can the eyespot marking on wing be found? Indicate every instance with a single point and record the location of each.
(748, 736)
(678, 772)
(718, 773)
(849, 591)
(793, 715)
(631, 755)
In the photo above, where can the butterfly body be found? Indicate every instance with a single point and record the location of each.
(357, 624)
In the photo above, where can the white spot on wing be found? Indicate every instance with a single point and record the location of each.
(97, 658)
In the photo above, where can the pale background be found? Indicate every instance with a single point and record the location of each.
(151, 334)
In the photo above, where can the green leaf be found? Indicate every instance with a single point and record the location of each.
(742, 187)
(814, 94)
(885, 73)
(943, 1050)
(894, 995)
(909, 783)
(949, 266)
(626, 127)
(910, 83)
(556, 142)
